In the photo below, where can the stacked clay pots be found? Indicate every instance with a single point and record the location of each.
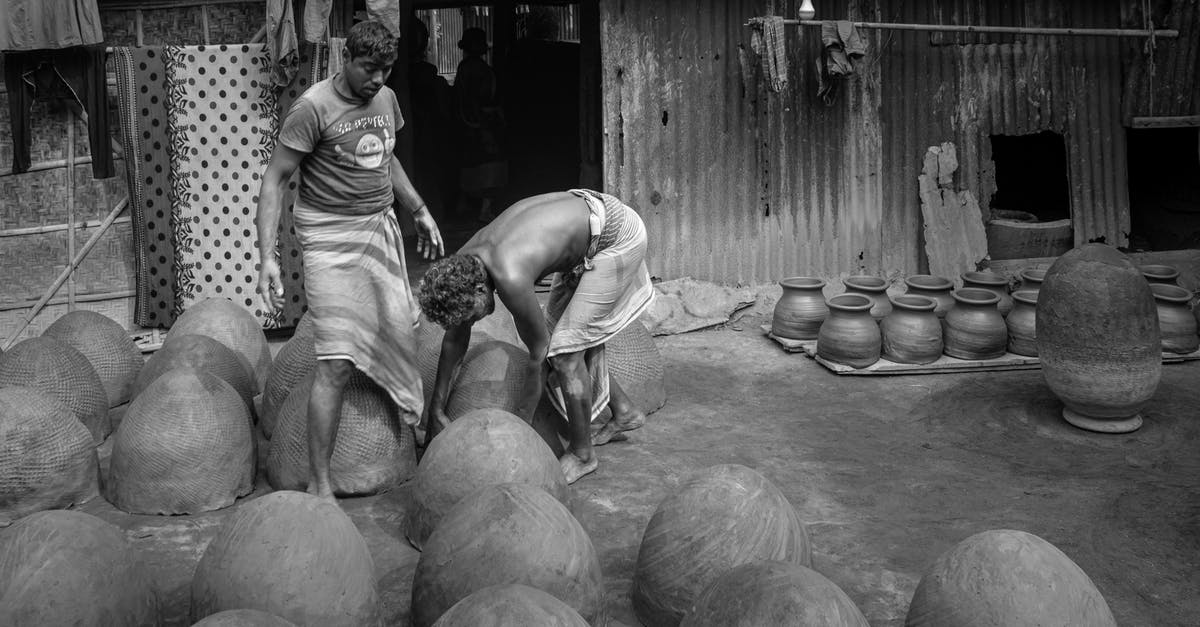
(912, 333)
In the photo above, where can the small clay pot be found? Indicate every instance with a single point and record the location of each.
(874, 288)
(912, 333)
(936, 287)
(993, 283)
(1176, 324)
(1155, 273)
(1031, 279)
(1022, 324)
(850, 336)
(800, 310)
(974, 328)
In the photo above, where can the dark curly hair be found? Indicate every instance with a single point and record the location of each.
(449, 290)
(371, 39)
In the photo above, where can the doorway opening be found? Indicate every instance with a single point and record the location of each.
(1164, 188)
(1031, 208)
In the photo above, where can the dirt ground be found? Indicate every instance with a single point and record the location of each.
(887, 472)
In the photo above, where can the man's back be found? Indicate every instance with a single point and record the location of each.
(534, 237)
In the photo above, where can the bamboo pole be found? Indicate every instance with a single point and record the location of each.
(260, 35)
(71, 207)
(137, 22)
(54, 228)
(81, 298)
(70, 269)
(204, 23)
(1011, 30)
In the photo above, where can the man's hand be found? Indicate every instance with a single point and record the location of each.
(429, 239)
(270, 284)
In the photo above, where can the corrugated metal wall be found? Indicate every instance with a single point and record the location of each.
(741, 185)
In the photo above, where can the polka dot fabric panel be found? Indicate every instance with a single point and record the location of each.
(223, 119)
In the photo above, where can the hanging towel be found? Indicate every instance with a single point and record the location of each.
(387, 12)
(48, 24)
(842, 46)
(281, 41)
(336, 46)
(768, 40)
(316, 20)
(76, 74)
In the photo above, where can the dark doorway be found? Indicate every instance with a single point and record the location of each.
(1164, 188)
(1031, 176)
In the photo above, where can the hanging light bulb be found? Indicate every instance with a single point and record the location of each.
(807, 12)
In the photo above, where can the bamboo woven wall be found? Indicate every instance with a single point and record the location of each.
(30, 263)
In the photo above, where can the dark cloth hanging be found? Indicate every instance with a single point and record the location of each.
(71, 73)
(48, 24)
(842, 46)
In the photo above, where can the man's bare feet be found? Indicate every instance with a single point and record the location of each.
(627, 421)
(575, 468)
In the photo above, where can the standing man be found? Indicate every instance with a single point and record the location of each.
(340, 135)
(597, 246)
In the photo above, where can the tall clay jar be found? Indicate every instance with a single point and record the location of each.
(911, 333)
(1156, 273)
(1031, 279)
(850, 336)
(935, 287)
(974, 327)
(800, 310)
(874, 288)
(1176, 324)
(1098, 338)
(993, 283)
(1022, 324)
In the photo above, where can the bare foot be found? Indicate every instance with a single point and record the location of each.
(575, 468)
(613, 429)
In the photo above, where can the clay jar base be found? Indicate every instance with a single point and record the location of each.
(1119, 425)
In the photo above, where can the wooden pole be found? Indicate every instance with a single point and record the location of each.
(1011, 30)
(204, 23)
(62, 277)
(137, 22)
(54, 228)
(70, 208)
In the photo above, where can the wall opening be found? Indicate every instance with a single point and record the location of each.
(1164, 188)
(1031, 208)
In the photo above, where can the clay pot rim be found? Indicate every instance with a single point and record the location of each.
(866, 282)
(984, 278)
(928, 282)
(850, 302)
(914, 302)
(975, 296)
(1028, 297)
(1159, 271)
(802, 282)
(1036, 275)
(1171, 293)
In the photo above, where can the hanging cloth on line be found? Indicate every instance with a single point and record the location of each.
(841, 47)
(48, 24)
(316, 17)
(768, 40)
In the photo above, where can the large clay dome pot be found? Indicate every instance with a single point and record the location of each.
(62, 567)
(492, 375)
(1176, 324)
(107, 346)
(202, 353)
(1022, 324)
(293, 555)
(374, 448)
(244, 618)
(1003, 577)
(510, 533)
(993, 283)
(292, 363)
(873, 287)
(935, 287)
(185, 446)
(232, 325)
(912, 333)
(974, 328)
(47, 458)
(850, 336)
(1098, 338)
(484, 447)
(801, 308)
(429, 349)
(718, 518)
(510, 604)
(768, 592)
(636, 363)
(52, 366)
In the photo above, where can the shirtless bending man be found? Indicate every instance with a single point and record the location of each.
(595, 246)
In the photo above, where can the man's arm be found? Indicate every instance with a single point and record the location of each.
(429, 239)
(454, 345)
(531, 326)
(284, 162)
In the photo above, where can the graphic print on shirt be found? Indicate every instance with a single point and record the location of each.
(369, 148)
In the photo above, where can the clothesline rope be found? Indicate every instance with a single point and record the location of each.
(1012, 30)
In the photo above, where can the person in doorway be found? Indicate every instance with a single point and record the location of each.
(434, 139)
(484, 170)
(340, 134)
(597, 245)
